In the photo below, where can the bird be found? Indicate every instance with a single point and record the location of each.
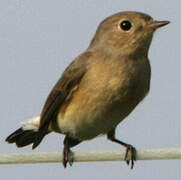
(99, 88)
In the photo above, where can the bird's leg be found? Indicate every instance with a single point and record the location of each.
(129, 148)
(67, 153)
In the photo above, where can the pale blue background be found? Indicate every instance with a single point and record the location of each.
(39, 38)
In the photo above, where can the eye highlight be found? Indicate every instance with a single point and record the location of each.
(125, 25)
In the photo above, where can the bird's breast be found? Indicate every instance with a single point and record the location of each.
(105, 96)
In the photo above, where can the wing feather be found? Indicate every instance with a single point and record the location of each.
(69, 79)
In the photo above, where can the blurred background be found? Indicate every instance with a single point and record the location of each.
(38, 39)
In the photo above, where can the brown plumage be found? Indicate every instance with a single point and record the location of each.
(99, 88)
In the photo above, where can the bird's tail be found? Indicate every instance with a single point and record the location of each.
(25, 135)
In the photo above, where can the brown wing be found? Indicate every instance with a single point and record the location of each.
(70, 78)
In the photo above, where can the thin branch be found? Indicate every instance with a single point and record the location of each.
(56, 157)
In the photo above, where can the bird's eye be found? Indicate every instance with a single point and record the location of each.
(125, 25)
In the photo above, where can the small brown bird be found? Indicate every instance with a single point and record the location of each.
(100, 88)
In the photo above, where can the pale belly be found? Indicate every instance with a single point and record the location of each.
(87, 124)
(97, 114)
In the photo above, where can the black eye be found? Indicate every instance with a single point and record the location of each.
(125, 25)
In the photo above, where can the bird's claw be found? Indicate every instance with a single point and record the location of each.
(132, 150)
(67, 158)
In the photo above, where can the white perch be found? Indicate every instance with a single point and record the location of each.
(56, 157)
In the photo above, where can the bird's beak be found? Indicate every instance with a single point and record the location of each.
(157, 24)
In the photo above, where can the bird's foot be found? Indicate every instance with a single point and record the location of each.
(132, 158)
(67, 157)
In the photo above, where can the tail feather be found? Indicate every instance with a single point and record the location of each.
(39, 137)
(22, 137)
(28, 134)
(12, 137)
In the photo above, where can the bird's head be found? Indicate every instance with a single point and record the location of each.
(127, 32)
